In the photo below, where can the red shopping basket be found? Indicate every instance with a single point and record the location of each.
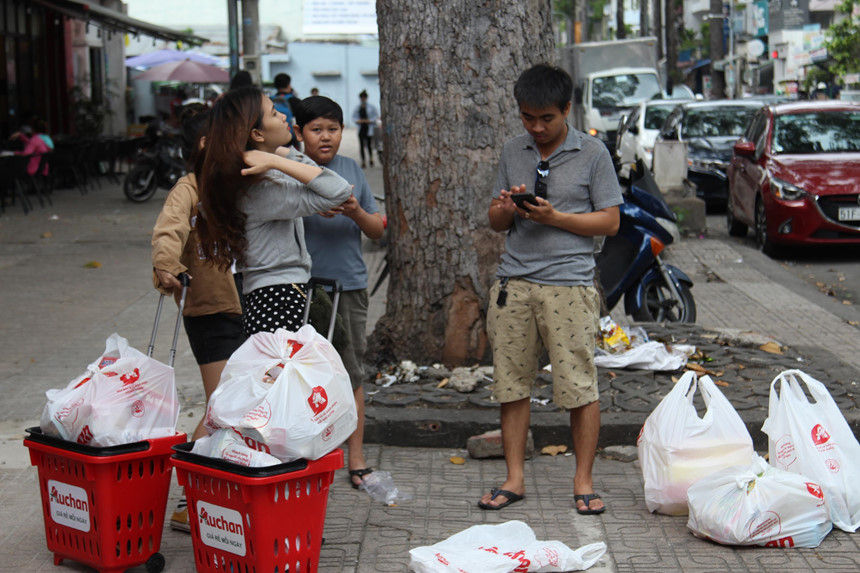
(255, 519)
(103, 507)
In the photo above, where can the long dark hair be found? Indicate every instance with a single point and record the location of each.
(220, 181)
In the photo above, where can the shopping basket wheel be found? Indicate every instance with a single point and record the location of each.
(155, 564)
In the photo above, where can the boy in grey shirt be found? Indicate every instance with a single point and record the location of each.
(545, 297)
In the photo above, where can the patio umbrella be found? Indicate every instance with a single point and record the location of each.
(186, 71)
(157, 57)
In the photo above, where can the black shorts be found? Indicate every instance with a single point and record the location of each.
(214, 337)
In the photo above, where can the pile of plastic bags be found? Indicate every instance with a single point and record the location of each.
(706, 466)
(282, 396)
(124, 396)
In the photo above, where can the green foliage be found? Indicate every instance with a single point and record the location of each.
(88, 117)
(843, 40)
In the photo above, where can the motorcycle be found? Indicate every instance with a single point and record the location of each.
(159, 164)
(629, 263)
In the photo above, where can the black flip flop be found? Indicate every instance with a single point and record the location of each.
(496, 492)
(360, 474)
(587, 497)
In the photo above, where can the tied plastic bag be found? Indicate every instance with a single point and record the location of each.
(502, 548)
(813, 439)
(227, 444)
(123, 397)
(677, 447)
(287, 394)
(758, 505)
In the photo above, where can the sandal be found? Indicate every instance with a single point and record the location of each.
(496, 492)
(359, 474)
(587, 498)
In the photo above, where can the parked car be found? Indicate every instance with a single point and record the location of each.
(637, 132)
(709, 128)
(795, 175)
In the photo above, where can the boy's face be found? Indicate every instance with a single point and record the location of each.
(546, 125)
(321, 138)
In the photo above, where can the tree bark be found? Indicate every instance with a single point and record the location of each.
(447, 69)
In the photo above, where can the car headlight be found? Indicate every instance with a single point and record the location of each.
(785, 191)
(709, 164)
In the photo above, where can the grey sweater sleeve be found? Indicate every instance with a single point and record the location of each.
(279, 196)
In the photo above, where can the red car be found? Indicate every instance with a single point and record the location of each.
(794, 176)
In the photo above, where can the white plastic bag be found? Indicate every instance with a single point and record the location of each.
(758, 505)
(502, 548)
(287, 394)
(814, 440)
(227, 444)
(123, 397)
(677, 447)
(651, 355)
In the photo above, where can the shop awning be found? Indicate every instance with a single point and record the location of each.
(110, 19)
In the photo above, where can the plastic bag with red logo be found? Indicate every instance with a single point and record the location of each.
(677, 447)
(758, 505)
(123, 397)
(813, 439)
(227, 444)
(501, 548)
(287, 394)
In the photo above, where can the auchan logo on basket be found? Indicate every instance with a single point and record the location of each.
(221, 527)
(318, 399)
(69, 505)
(819, 435)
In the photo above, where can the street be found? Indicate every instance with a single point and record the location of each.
(828, 276)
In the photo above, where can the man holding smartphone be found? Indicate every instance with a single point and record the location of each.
(545, 297)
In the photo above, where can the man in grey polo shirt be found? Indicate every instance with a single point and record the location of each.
(545, 296)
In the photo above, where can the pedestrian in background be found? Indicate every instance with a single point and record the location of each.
(334, 242)
(253, 195)
(365, 116)
(545, 297)
(285, 99)
(212, 314)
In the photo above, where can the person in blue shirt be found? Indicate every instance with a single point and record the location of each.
(285, 99)
(333, 239)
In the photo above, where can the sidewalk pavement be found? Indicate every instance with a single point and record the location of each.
(78, 271)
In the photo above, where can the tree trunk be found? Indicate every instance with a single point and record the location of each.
(447, 70)
(621, 31)
(718, 85)
(674, 22)
(644, 23)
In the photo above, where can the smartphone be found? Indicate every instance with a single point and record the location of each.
(520, 199)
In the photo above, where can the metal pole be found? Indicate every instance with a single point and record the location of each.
(233, 36)
(733, 80)
(251, 39)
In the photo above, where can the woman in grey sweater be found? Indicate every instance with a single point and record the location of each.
(254, 192)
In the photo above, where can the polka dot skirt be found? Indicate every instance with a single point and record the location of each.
(270, 308)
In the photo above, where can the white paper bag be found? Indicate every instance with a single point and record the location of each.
(502, 548)
(758, 505)
(677, 447)
(287, 394)
(813, 439)
(123, 397)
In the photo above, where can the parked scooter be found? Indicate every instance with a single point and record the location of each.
(630, 265)
(159, 164)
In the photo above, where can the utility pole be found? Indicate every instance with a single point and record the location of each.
(715, 25)
(233, 36)
(251, 39)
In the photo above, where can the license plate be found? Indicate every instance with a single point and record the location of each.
(849, 213)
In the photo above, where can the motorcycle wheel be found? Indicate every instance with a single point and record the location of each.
(660, 306)
(140, 183)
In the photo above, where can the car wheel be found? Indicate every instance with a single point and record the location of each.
(762, 239)
(735, 227)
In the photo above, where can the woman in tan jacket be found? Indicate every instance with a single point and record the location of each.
(213, 314)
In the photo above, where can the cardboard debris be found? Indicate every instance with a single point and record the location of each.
(771, 347)
(457, 460)
(553, 450)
